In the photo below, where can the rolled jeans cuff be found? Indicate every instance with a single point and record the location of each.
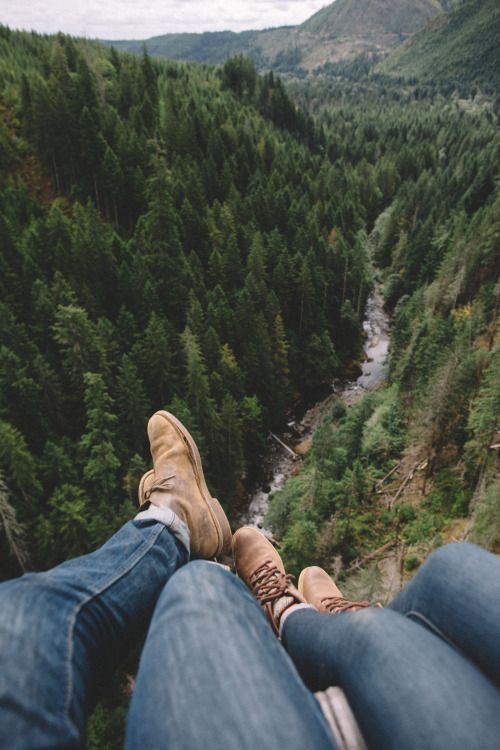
(172, 521)
(290, 611)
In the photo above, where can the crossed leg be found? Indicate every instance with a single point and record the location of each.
(212, 673)
(62, 630)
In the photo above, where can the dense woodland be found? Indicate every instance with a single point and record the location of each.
(203, 240)
(171, 236)
(432, 166)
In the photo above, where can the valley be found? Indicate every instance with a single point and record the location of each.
(229, 245)
(279, 462)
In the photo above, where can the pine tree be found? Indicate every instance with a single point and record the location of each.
(197, 387)
(133, 407)
(97, 443)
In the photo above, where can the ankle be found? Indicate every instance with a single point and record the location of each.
(283, 606)
(295, 607)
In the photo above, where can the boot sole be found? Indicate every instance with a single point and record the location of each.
(215, 509)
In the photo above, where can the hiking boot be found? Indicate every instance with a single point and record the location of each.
(259, 565)
(177, 482)
(317, 588)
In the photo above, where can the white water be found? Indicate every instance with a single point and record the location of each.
(279, 462)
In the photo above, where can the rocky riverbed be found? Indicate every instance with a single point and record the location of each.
(281, 463)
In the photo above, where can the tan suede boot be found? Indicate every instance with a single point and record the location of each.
(259, 565)
(317, 588)
(177, 482)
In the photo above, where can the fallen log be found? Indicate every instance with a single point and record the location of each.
(381, 481)
(359, 563)
(405, 481)
(284, 445)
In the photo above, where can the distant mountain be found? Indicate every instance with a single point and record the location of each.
(370, 18)
(212, 47)
(463, 45)
(343, 29)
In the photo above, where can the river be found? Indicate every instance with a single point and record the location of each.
(280, 464)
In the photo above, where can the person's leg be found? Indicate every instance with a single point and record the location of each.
(213, 675)
(407, 687)
(60, 630)
(456, 594)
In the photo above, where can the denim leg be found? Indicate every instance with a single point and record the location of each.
(61, 630)
(408, 689)
(456, 593)
(214, 677)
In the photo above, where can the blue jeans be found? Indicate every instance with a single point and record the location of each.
(423, 674)
(212, 674)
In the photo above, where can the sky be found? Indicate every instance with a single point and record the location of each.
(141, 19)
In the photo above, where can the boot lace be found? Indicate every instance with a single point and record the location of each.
(268, 582)
(336, 604)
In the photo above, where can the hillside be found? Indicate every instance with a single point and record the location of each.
(165, 241)
(343, 29)
(461, 46)
(414, 465)
(176, 236)
(365, 19)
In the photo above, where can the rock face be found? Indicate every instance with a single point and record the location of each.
(347, 28)
(341, 30)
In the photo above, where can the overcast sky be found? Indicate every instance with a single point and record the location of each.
(140, 19)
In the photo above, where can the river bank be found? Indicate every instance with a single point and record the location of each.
(280, 464)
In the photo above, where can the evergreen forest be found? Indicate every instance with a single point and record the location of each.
(172, 236)
(204, 239)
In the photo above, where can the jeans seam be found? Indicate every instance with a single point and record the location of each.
(143, 550)
(414, 614)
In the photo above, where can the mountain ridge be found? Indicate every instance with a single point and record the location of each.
(341, 30)
(461, 45)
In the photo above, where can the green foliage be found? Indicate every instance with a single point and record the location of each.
(239, 75)
(484, 416)
(486, 529)
(96, 443)
(384, 434)
(448, 495)
(17, 462)
(177, 237)
(424, 528)
(65, 530)
(300, 545)
(106, 728)
(165, 219)
(329, 502)
(411, 563)
(462, 47)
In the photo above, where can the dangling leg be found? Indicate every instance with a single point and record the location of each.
(61, 629)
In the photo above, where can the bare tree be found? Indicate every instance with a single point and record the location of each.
(13, 529)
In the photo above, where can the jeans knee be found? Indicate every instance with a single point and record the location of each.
(198, 574)
(204, 584)
(24, 603)
(374, 631)
(445, 560)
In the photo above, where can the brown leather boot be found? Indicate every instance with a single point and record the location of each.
(177, 482)
(317, 588)
(259, 565)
